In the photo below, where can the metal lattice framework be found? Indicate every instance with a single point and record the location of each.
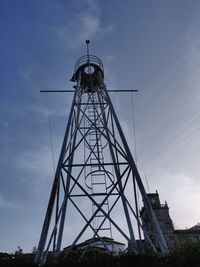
(96, 172)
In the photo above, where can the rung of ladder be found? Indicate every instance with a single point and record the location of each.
(98, 158)
(102, 229)
(93, 139)
(98, 183)
(96, 161)
(98, 174)
(98, 194)
(98, 205)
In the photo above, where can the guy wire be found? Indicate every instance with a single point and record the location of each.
(50, 133)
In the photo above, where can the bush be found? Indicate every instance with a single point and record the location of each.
(185, 256)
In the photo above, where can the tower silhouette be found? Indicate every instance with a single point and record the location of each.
(96, 176)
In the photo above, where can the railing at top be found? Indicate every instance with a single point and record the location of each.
(88, 59)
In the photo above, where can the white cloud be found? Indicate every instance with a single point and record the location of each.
(181, 193)
(91, 25)
(43, 111)
(29, 74)
(37, 162)
(7, 204)
(4, 123)
(87, 24)
(26, 74)
(93, 5)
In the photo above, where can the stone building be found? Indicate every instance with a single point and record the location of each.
(173, 237)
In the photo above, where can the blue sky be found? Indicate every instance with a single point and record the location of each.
(152, 46)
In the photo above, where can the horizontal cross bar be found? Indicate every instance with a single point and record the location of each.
(102, 229)
(91, 104)
(94, 194)
(71, 91)
(95, 164)
(93, 128)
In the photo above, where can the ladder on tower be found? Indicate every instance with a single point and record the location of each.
(98, 178)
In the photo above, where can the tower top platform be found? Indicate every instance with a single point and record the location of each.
(88, 64)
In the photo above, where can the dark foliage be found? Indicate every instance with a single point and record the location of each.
(185, 256)
(17, 260)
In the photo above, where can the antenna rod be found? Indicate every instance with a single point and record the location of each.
(87, 43)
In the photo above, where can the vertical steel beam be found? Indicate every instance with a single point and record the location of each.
(61, 228)
(158, 234)
(117, 171)
(44, 233)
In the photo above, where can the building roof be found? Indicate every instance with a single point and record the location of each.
(193, 229)
(96, 239)
(196, 227)
(105, 239)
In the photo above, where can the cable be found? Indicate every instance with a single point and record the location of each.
(134, 134)
(50, 133)
(135, 152)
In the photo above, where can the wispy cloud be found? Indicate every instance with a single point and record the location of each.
(193, 55)
(30, 74)
(33, 112)
(180, 138)
(27, 74)
(4, 203)
(93, 5)
(37, 162)
(184, 193)
(87, 24)
(4, 123)
(43, 111)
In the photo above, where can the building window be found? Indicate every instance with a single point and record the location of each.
(158, 213)
(184, 239)
(195, 239)
(172, 242)
(167, 225)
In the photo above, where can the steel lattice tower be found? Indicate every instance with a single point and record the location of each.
(96, 171)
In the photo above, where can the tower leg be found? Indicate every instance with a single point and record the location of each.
(60, 234)
(159, 236)
(40, 251)
(117, 172)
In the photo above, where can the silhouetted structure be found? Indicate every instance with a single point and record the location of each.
(95, 173)
(173, 237)
(109, 245)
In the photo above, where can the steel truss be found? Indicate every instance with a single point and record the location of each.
(96, 174)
